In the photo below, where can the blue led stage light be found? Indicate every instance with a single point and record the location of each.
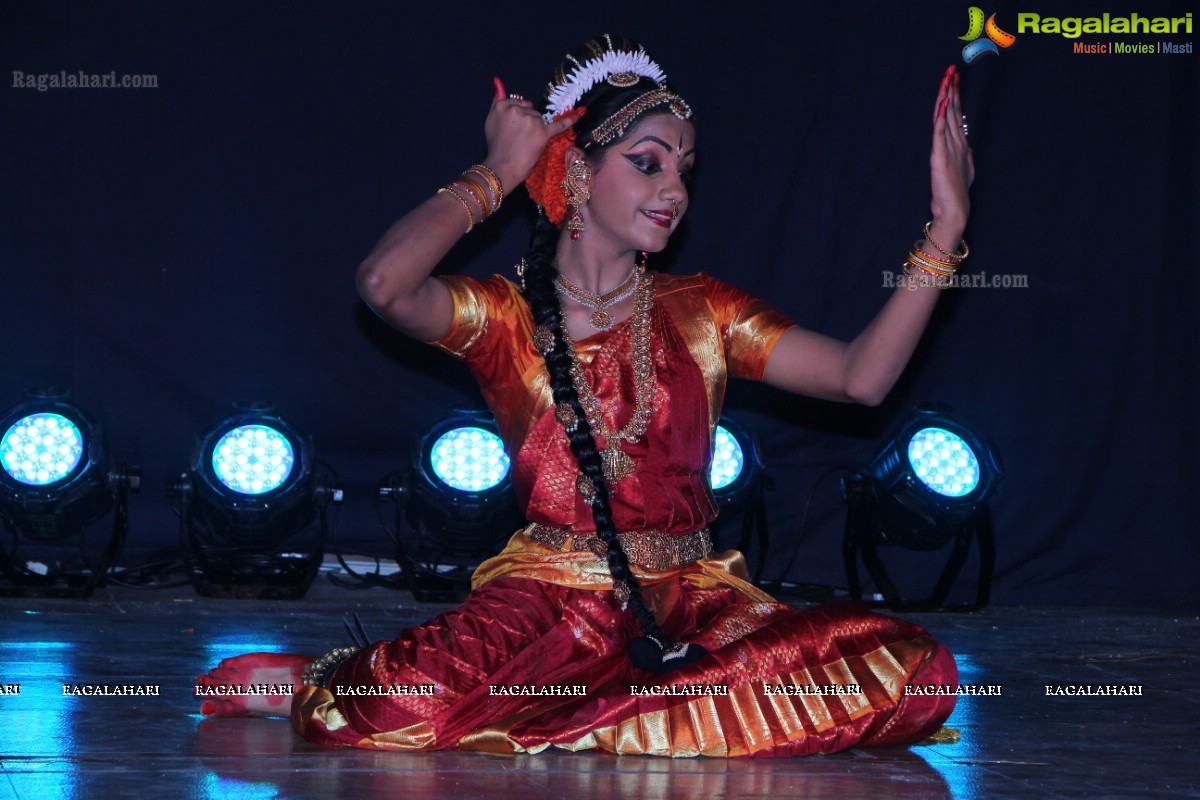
(41, 448)
(728, 459)
(928, 485)
(253, 459)
(455, 505)
(56, 479)
(469, 459)
(253, 507)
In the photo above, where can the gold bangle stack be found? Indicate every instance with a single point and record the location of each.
(478, 188)
(941, 270)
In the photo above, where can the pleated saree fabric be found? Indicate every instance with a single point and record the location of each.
(536, 656)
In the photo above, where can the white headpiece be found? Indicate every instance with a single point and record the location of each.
(565, 91)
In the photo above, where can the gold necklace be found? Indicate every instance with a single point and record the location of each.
(601, 319)
(618, 463)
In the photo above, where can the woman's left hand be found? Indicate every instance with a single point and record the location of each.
(951, 165)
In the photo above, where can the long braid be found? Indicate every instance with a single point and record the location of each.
(605, 101)
(546, 310)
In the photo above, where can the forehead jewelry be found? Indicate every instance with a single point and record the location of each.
(614, 127)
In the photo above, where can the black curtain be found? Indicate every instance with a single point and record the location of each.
(169, 250)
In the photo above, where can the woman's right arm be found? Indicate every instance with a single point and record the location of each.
(395, 279)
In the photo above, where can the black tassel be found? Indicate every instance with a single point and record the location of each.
(648, 654)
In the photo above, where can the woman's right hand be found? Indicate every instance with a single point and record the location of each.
(517, 135)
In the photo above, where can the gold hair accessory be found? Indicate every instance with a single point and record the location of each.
(614, 127)
(566, 417)
(584, 485)
(543, 339)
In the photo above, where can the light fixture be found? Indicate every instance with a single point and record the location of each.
(56, 479)
(253, 507)
(928, 485)
(457, 499)
(738, 482)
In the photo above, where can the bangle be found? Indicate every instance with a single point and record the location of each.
(492, 178)
(470, 216)
(956, 257)
(475, 193)
(920, 256)
(939, 281)
(320, 671)
(483, 188)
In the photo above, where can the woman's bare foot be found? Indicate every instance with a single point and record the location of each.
(251, 685)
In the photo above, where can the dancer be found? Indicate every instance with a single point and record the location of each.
(608, 622)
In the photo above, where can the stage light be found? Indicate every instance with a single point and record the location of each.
(928, 485)
(469, 459)
(457, 499)
(42, 448)
(253, 459)
(253, 507)
(738, 482)
(729, 459)
(56, 479)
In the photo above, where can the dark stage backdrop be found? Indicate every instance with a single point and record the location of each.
(167, 251)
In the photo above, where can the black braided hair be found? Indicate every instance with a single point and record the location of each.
(601, 101)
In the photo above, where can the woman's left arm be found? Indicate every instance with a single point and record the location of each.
(865, 369)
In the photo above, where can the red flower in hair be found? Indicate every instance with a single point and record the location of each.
(545, 181)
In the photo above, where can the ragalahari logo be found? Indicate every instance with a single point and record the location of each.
(976, 28)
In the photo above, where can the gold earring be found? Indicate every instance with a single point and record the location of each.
(576, 191)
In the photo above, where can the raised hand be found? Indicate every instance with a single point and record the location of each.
(952, 167)
(517, 134)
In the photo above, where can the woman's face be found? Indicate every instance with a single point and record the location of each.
(640, 187)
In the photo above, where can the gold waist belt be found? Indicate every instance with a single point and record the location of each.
(651, 550)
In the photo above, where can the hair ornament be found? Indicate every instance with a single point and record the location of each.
(614, 127)
(564, 93)
(545, 180)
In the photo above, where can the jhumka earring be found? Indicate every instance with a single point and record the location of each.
(576, 191)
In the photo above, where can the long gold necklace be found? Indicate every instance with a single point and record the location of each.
(601, 319)
(617, 463)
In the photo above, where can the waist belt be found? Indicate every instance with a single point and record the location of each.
(651, 550)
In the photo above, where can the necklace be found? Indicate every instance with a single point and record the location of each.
(618, 463)
(601, 319)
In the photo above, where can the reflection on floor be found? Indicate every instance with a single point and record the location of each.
(1023, 743)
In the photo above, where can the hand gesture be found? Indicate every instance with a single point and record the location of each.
(517, 134)
(952, 167)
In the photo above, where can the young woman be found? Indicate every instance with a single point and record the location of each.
(608, 622)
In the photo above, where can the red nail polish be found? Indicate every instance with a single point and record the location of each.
(208, 707)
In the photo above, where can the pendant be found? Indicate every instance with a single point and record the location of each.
(601, 319)
(617, 464)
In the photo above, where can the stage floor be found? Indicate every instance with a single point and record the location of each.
(1023, 743)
